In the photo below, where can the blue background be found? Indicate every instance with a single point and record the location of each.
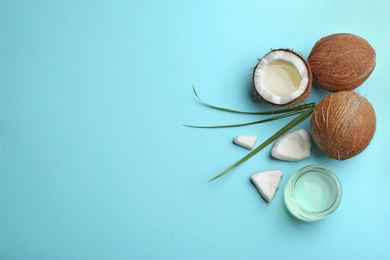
(95, 162)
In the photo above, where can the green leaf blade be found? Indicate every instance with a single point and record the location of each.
(302, 117)
(249, 123)
(264, 113)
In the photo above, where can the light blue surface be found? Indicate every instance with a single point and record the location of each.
(95, 162)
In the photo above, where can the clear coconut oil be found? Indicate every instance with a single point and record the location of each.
(313, 193)
(282, 77)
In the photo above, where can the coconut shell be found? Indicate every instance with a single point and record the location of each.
(298, 99)
(343, 124)
(341, 61)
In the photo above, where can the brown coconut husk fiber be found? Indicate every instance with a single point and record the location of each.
(343, 124)
(341, 61)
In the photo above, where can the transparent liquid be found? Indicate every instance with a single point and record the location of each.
(282, 78)
(314, 192)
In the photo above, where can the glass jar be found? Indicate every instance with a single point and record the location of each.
(312, 193)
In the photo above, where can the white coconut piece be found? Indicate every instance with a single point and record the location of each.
(267, 183)
(282, 77)
(246, 141)
(293, 146)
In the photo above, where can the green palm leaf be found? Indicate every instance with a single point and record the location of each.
(250, 123)
(302, 117)
(273, 112)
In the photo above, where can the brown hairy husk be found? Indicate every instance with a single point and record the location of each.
(341, 61)
(292, 102)
(343, 124)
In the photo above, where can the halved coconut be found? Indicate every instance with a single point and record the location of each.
(282, 78)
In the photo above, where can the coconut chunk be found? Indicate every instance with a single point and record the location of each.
(267, 183)
(282, 77)
(246, 141)
(293, 146)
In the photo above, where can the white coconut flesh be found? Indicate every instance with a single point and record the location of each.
(267, 183)
(246, 141)
(281, 77)
(293, 146)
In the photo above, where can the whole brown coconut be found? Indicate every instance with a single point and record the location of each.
(341, 61)
(343, 124)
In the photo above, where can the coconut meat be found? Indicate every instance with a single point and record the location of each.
(267, 182)
(246, 141)
(281, 77)
(293, 146)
